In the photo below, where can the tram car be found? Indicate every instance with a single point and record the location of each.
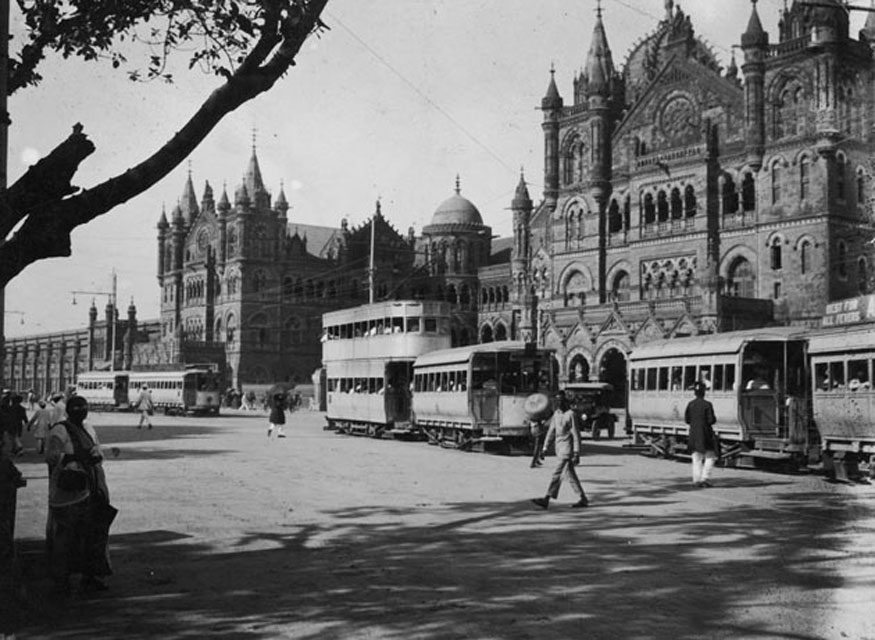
(177, 391)
(843, 400)
(473, 397)
(368, 354)
(757, 381)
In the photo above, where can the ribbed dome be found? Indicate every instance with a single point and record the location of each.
(456, 210)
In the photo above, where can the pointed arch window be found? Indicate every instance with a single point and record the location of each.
(748, 192)
(690, 201)
(775, 253)
(804, 177)
(801, 106)
(842, 259)
(841, 170)
(741, 282)
(861, 187)
(729, 196)
(805, 257)
(615, 221)
(649, 209)
(620, 288)
(777, 177)
(662, 206)
(863, 276)
(677, 205)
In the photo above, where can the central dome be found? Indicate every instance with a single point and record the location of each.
(456, 210)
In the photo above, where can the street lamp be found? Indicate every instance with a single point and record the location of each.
(112, 302)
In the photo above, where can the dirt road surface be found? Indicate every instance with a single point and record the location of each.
(223, 533)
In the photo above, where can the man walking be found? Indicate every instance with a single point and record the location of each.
(564, 431)
(146, 407)
(703, 442)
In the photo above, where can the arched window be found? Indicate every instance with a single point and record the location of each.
(804, 177)
(805, 257)
(775, 253)
(620, 288)
(505, 294)
(842, 259)
(841, 169)
(465, 295)
(578, 369)
(451, 294)
(776, 183)
(662, 206)
(615, 220)
(801, 106)
(627, 212)
(730, 195)
(231, 329)
(677, 205)
(575, 290)
(748, 192)
(649, 209)
(690, 201)
(500, 332)
(486, 334)
(741, 281)
(218, 334)
(862, 276)
(861, 187)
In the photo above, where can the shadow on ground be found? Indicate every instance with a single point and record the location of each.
(471, 570)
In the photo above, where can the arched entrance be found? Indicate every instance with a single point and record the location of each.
(578, 369)
(500, 333)
(612, 369)
(486, 334)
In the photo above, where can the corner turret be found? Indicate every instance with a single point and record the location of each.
(551, 105)
(755, 44)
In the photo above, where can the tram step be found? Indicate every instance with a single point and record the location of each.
(769, 455)
(489, 439)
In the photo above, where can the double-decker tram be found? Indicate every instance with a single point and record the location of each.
(368, 354)
(757, 381)
(473, 397)
(193, 390)
(842, 394)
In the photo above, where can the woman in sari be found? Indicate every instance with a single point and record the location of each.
(79, 509)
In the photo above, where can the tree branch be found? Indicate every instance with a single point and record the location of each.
(46, 231)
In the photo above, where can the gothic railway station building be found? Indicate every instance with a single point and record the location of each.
(680, 198)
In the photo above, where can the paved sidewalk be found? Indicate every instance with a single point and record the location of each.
(223, 533)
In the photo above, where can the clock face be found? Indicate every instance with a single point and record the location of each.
(680, 119)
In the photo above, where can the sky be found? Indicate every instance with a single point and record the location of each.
(391, 103)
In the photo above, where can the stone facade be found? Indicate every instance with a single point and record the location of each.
(681, 199)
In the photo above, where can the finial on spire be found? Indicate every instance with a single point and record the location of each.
(189, 167)
(458, 185)
(254, 136)
(598, 8)
(552, 67)
(378, 210)
(669, 9)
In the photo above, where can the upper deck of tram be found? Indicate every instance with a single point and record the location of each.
(398, 329)
(465, 354)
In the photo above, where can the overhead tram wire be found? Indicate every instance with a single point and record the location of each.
(422, 94)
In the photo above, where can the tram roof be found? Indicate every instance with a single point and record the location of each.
(463, 354)
(712, 343)
(844, 339)
(388, 308)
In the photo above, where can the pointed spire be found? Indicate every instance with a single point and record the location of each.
(178, 218)
(669, 10)
(521, 199)
(732, 69)
(552, 100)
(379, 208)
(281, 205)
(188, 203)
(162, 221)
(241, 196)
(599, 64)
(224, 203)
(755, 35)
(252, 179)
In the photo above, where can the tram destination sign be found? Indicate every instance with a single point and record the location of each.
(850, 311)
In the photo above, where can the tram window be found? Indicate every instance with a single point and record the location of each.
(718, 378)
(633, 380)
(462, 380)
(431, 325)
(663, 379)
(676, 379)
(642, 374)
(705, 376)
(729, 377)
(821, 376)
(397, 325)
(651, 379)
(412, 325)
(858, 374)
(444, 381)
(689, 377)
(837, 374)
(380, 385)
